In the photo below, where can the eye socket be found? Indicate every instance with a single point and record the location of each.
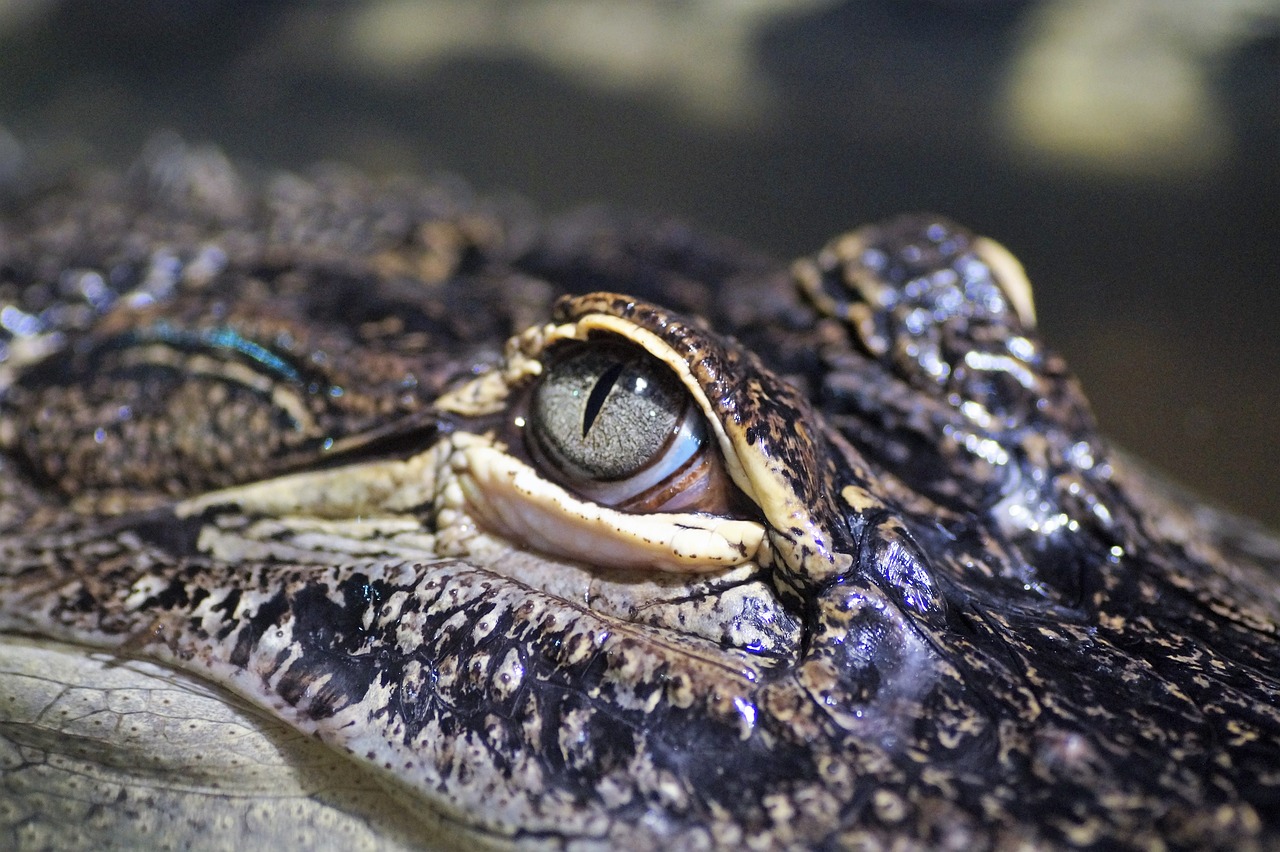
(612, 423)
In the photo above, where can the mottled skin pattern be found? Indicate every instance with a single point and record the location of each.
(983, 628)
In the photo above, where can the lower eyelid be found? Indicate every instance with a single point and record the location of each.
(699, 487)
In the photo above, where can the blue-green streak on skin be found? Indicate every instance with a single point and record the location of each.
(217, 338)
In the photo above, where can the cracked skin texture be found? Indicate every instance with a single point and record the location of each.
(973, 624)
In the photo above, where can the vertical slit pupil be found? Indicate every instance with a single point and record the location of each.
(598, 395)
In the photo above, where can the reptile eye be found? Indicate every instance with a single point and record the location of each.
(615, 425)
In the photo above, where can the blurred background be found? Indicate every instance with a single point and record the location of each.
(1128, 151)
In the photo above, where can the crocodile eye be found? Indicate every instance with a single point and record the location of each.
(614, 424)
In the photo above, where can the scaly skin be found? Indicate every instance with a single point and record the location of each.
(241, 437)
